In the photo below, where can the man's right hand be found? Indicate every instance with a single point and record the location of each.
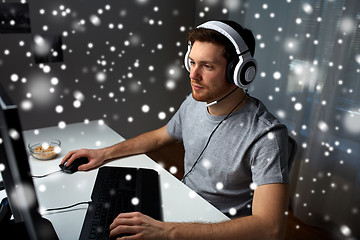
(94, 156)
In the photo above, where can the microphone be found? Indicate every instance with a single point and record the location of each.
(217, 101)
(212, 103)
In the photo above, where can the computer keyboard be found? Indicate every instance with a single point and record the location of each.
(117, 190)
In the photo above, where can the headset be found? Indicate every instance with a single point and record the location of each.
(240, 71)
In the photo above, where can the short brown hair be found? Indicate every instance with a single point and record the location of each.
(212, 36)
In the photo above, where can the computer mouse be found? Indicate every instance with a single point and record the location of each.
(73, 167)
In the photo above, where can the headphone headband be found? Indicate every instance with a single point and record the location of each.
(229, 33)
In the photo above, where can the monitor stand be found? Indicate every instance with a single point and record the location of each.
(17, 230)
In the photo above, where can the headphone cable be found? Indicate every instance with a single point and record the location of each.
(217, 101)
(211, 134)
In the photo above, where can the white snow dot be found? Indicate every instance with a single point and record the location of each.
(281, 113)
(219, 185)
(101, 77)
(162, 115)
(45, 145)
(54, 81)
(42, 188)
(206, 163)
(357, 58)
(128, 177)
(95, 20)
(351, 122)
(307, 8)
(26, 105)
(77, 104)
(271, 135)
(347, 25)
(170, 85)
(173, 169)
(135, 201)
(46, 69)
(232, 211)
(57, 149)
(61, 124)
(24, 190)
(14, 77)
(323, 126)
(345, 230)
(145, 108)
(298, 106)
(98, 143)
(253, 186)
(192, 194)
(2, 166)
(14, 134)
(277, 75)
(79, 96)
(101, 122)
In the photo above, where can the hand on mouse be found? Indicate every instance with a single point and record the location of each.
(93, 155)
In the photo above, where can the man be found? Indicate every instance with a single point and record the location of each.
(235, 150)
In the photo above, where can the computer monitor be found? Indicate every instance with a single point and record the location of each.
(15, 171)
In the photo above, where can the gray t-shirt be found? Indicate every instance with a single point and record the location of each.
(250, 148)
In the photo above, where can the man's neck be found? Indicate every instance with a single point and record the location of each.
(227, 104)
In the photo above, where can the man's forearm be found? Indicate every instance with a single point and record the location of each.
(251, 227)
(268, 221)
(143, 143)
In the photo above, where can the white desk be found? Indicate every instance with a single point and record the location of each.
(180, 204)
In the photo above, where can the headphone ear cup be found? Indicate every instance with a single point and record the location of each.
(245, 73)
(230, 70)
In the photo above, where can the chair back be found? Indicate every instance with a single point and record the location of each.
(292, 149)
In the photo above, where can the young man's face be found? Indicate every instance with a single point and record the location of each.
(208, 72)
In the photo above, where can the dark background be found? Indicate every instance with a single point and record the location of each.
(66, 61)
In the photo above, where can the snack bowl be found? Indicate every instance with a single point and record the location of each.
(45, 150)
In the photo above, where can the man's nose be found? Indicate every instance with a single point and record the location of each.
(194, 73)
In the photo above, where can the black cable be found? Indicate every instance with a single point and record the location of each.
(62, 208)
(2, 185)
(41, 176)
(212, 133)
(227, 95)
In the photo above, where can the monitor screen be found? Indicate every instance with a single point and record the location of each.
(17, 177)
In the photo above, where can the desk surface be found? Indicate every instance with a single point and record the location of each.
(180, 203)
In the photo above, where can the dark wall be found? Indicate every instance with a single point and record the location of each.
(120, 61)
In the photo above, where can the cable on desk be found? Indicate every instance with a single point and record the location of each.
(62, 208)
(41, 176)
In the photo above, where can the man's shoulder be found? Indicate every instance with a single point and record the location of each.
(262, 113)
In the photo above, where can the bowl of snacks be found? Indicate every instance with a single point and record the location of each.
(45, 150)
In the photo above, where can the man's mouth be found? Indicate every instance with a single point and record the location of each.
(196, 87)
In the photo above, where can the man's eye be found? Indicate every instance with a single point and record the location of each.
(208, 66)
